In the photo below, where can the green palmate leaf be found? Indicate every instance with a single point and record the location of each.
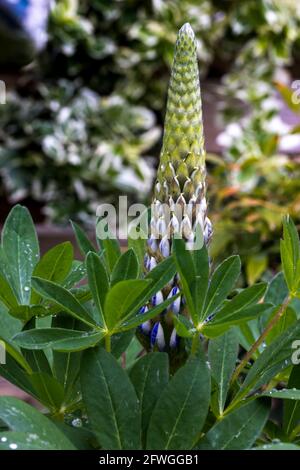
(241, 301)
(291, 414)
(119, 300)
(222, 282)
(180, 412)
(9, 326)
(21, 251)
(159, 277)
(109, 245)
(278, 446)
(287, 265)
(56, 263)
(50, 392)
(183, 326)
(29, 429)
(17, 375)
(37, 360)
(255, 267)
(54, 266)
(149, 375)
(98, 282)
(239, 429)
(138, 319)
(285, 394)
(290, 254)
(111, 402)
(288, 318)
(133, 353)
(186, 269)
(66, 366)
(120, 342)
(58, 339)
(277, 290)
(15, 440)
(11, 349)
(127, 267)
(26, 312)
(7, 295)
(222, 353)
(76, 274)
(62, 297)
(275, 358)
(219, 325)
(83, 242)
(138, 245)
(200, 283)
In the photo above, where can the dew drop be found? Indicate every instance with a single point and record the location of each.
(13, 446)
(3, 439)
(77, 423)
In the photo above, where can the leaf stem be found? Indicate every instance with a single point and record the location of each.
(108, 343)
(195, 344)
(262, 337)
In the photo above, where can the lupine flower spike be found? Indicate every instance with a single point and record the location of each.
(179, 203)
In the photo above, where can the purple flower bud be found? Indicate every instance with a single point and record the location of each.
(157, 336)
(164, 247)
(174, 340)
(175, 306)
(146, 327)
(157, 299)
(152, 263)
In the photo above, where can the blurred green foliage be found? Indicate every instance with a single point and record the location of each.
(85, 120)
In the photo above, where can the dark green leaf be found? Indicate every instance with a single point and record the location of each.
(290, 254)
(58, 339)
(218, 325)
(186, 269)
(54, 266)
(138, 245)
(62, 297)
(83, 242)
(278, 446)
(127, 267)
(284, 394)
(76, 274)
(149, 375)
(98, 282)
(275, 358)
(291, 414)
(222, 282)
(241, 301)
(222, 353)
(183, 326)
(111, 402)
(239, 429)
(26, 312)
(119, 300)
(50, 392)
(140, 318)
(7, 295)
(180, 412)
(30, 429)
(109, 245)
(277, 290)
(21, 250)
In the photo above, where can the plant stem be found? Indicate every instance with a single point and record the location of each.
(262, 337)
(195, 344)
(108, 343)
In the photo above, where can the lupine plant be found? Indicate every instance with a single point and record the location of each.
(154, 347)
